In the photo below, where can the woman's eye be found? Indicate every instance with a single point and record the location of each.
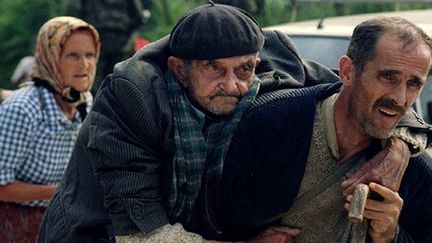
(90, 55)
(72, 56)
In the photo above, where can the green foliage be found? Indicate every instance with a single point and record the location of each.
(316, 10)
(275, 12)
(20, 21)
(371, 6)
(163, 17)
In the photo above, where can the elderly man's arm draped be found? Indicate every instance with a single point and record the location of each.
(129, 145)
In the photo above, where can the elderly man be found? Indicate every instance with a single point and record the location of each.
(385, 68)
(156, 121)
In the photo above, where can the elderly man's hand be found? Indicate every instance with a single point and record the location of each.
(276, 234)
(386, 168)
(273, 234)
(383, 215)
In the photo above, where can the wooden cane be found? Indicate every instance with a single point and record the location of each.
(358, 203)
(359, 227)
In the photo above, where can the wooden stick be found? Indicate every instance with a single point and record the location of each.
(358, 232)
(358, 203)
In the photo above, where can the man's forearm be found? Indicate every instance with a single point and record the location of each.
(19, 191)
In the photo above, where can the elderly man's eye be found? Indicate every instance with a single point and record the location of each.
(244, 72)
(214, 67)
(245, 68)
(388, 76)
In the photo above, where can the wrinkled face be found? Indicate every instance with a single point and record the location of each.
(77, 64)
(388, 86)
(218, 85)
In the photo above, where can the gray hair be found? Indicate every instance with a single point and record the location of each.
(365, 37)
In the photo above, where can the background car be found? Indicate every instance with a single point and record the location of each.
(325, 40)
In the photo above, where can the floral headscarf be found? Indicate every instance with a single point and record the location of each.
(51, 38)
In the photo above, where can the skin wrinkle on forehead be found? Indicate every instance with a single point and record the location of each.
(403, 54)
(402, 57)
(210, 83)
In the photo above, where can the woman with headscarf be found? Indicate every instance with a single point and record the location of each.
(39, 124)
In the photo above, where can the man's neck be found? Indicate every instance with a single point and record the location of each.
(350, 139)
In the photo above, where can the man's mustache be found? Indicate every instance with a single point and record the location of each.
(390, 104)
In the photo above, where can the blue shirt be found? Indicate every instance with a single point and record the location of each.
(36, 138)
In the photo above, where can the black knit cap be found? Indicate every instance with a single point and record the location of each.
(215, 31)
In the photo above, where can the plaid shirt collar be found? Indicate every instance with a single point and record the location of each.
(52, 111)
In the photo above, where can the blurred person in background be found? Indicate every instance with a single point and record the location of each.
(23, 70)
(21, 74)
(4, 93)
(116, 21)
(39, 124)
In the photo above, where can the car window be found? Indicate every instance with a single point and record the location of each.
(426, 101)
(323, 49)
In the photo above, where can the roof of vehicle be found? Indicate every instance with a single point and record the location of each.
(343, 26)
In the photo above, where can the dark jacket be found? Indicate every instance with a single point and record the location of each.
(262, 177)
(122, 159)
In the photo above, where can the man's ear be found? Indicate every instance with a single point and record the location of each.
(258, 61)
(346, 70)
(176, 65)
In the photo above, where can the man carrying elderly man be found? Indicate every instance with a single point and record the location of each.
(285, 159)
